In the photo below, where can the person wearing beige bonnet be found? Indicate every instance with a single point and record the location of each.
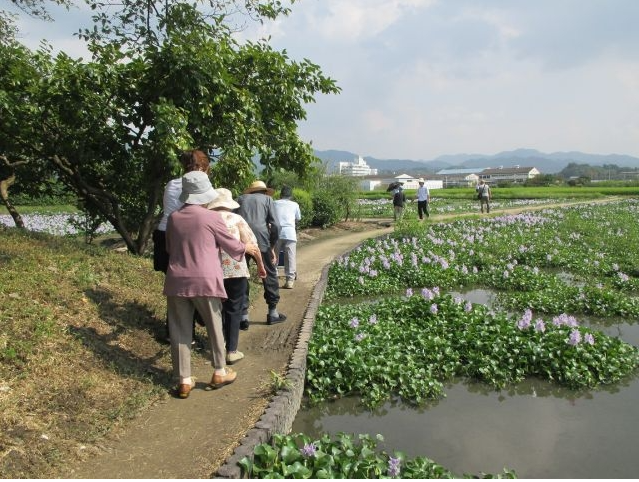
(236, 273)
(194, 278)
(257, 208)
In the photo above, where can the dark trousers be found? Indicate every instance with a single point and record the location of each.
(422, 207)
(232, 310)
(270, 283)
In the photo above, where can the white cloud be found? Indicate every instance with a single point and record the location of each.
(353, 20)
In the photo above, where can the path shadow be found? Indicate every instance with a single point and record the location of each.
(122, 317)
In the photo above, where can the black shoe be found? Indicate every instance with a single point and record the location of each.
(244, 325)
(272, 320)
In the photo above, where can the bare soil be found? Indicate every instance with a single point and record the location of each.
(192, 438)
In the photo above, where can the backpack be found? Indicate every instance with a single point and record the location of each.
(398, 198)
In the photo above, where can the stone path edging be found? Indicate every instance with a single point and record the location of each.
(283, 407)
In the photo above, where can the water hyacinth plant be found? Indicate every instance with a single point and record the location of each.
(536, 263)
(580, 259)
(420, 343)
(297, 456)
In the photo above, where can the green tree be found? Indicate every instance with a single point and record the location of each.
(20, 135)
(114, 126)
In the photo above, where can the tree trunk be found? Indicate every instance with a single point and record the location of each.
(4, 194)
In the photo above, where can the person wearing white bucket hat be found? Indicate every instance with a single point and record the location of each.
(194, 278)
(191, 160)
(236, 273)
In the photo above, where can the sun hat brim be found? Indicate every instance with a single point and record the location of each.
(224, 204)
(199, 198)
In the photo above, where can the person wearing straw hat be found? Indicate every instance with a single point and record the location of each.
(194, 278)
(236, 273)
(423, 200)
(256, 207)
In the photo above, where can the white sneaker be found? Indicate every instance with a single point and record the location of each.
(289, 284)
(233, 357)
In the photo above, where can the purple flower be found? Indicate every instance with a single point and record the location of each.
(393, 467)
(354, 323)
(427, 294)
(524, 321)
(588, 338)
(309, 450)
(540, 325)
(360, 337)
(433, 308)
(373, 319)
(360, 280)
(436, 290)
(468, 307)
(575, 338)
(409, 292)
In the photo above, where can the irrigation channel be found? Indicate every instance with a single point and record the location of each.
(536, 428)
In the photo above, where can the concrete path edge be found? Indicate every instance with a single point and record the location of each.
(283, 407)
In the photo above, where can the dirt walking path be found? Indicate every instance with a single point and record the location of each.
(191, 438)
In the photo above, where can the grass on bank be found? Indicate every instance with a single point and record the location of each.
(79, 348)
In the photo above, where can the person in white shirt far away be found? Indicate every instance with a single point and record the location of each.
(423, 200)
(288, 214)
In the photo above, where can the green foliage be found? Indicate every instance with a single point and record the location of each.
(297, 456)
(304, 199)
(112, 128)
(326, 209)
(279, 382)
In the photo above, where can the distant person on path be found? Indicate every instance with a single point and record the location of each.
(288, 214)
(484, 194)
(194, 278)
(236, 273)
(192, 160)
(423, 200)
(257, 208)
(399, 200)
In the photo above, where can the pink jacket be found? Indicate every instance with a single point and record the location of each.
(194, 236)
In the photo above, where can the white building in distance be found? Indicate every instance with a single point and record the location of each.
(356, 168)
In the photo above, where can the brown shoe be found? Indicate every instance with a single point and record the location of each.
(218, 381)
(184, 389)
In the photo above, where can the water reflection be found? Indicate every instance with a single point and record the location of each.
(480, 296)
(536, 428)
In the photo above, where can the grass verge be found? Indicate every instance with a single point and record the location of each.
(80, 350)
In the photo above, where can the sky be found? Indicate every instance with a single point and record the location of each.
(425, 78)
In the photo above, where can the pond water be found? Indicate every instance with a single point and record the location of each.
(536, 428)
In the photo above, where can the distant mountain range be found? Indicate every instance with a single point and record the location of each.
(545, 163)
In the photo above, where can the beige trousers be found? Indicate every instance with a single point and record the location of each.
(181, 312)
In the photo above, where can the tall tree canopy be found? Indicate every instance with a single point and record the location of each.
(163, 77)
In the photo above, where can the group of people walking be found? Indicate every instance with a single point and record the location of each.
(204, 244)
(484, 194)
